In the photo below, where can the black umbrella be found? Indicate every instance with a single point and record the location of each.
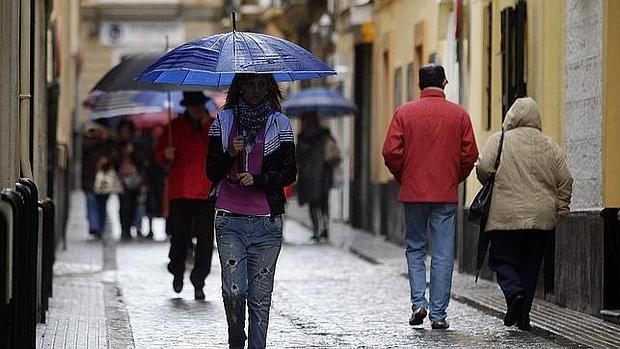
(483, 245)
(121, 77)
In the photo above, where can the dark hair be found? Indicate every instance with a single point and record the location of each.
(431, 75)
(309, 119)
(274, 95)
(127, 123)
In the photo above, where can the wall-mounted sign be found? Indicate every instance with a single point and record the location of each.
(141, 33)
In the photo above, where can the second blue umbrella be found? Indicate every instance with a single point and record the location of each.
(323, 101)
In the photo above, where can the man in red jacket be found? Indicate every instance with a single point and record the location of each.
(430, 148)
(191, 209)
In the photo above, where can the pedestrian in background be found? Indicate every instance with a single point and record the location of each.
(99, 153)
(430, 148)
(155, 177)
(532, 190)
(317, 156)
(191, 208)
(251, 158)
(131, 174)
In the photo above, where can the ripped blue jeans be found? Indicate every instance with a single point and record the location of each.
(248, 248)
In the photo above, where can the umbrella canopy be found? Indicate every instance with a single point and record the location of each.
(214, 61)
(120, 77)
(323, 101)
(150, 120)
(160, 99)
(119, 103)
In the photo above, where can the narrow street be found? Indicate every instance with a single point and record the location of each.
(325, 297)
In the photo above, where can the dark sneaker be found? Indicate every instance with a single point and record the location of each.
(513, 313)
(440, 325)
(177, 283)
(417, 318)
(199, 294)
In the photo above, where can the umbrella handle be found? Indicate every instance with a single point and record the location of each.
(169, 107)
(169, 120)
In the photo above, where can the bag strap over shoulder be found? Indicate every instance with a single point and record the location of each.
(499, 150)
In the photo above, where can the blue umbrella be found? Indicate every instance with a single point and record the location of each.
(323, 101)
(214, 60)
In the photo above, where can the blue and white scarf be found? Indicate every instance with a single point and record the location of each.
(251, 118)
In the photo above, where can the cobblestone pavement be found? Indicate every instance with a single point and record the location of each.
(324, 297)
(119, 295)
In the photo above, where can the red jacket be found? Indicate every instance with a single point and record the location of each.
(187, 178)
(430, 148)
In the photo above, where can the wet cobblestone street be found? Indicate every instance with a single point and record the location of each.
(324, 297)
(119, 295)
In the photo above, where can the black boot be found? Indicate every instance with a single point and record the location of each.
(514, 311)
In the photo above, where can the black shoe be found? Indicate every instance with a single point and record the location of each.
(524, 323)
(513, 313)
(417, 318)
(324, 234)
(199, 294)
(125, 237)
(177, 283)
(440, 325)
(149, 235)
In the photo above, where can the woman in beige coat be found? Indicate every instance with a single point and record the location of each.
(532, 190)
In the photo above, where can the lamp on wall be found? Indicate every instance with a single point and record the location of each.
(325, 26)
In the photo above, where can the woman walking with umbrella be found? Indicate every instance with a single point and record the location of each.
(251, 158)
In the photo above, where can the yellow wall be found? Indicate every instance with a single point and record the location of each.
(68, 16)
(395, 23)
(611, 108)
(544, 65)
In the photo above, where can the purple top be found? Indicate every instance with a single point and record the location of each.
(236, 198)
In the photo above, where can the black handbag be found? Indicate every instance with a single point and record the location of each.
(481, 204)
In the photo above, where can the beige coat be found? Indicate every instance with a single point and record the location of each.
(533, 185)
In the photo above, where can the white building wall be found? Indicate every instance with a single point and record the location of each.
(584, 101)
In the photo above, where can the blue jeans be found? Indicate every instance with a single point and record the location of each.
(436, 220)
(248, 248)
(96, 212)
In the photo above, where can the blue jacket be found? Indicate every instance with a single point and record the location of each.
(279, 166)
